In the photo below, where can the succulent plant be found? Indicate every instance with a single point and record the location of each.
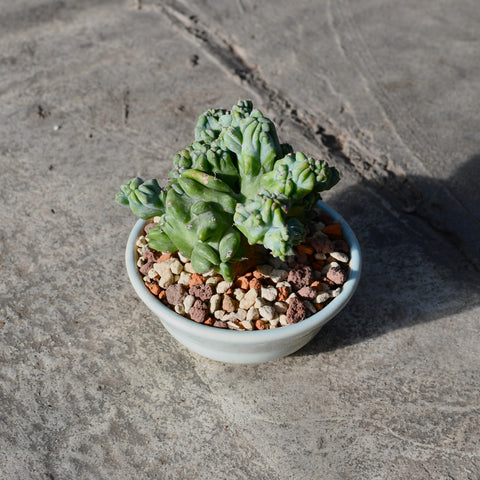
(236, 184)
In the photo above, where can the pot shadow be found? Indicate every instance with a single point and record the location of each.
(420, 263)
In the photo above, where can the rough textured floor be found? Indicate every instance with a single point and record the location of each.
(96, 92)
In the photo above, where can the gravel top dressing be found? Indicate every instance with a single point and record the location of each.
(265, 293)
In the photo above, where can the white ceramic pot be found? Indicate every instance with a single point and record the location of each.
(257, 346)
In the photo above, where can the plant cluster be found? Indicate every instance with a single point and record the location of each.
(236, 184)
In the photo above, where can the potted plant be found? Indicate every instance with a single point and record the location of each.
(237, 255)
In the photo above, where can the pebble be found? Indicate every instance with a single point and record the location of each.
(180, 309)
(188, 268)
(278, 274)
(269, 293)
(322, 297)
(248, 300)
(223, 286)
(247, 325)
(340, 256)
(267, 312)
(215, 303)
(219, 314)
(253, 314)
(280, 307)
(238, 293)
(199, 311)
(229, 304)
(176, 266)
(166, 280)
(184, 278)
(259, 302)
(188, 302)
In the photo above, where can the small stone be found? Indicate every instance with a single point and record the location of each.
(274, 323)
(144, 269)
(260, 325)
(229, 304)
(310, 307)
(252, 314)
(322, 297)
(219, 314)
(188, 268)
(141, 241)
(259, 302)
(176, 294)
(249, 299)
(212, 280)
(269, 293)
(238, 293)
(246, 324)
(219, 324)
(322, 245)
(201, 291)
(184, 278)
(335, 293)
(340, 256)
(199, 311)
(278, 275)
(176, 266)
(188, 302)
(196, 279)
(153, 287)
(307, 292)
(215, 303)
(166, 279)
(162, 267)
(241, 314)
(300, 276)
(283, 320)
(241, 282)
(182, 258)
(296, 311)
(152, 274)
(337, 275)
(223, 286)
(255, 284)
(164, 257)
(319, 256)
(280, 307)
(209, 321)
(267, 312)
(180, 309)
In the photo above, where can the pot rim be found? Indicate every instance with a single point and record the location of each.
(315, 321)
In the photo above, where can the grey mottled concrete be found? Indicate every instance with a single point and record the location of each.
(95, 92)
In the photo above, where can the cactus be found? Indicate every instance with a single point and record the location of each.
(235, 184)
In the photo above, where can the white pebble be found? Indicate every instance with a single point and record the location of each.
(188, 267)
(182, 258)
(219, 314)
(280, 307)
(247, 325)
(184, 278)
(252, 314)
(163, 267)
(336, 292)
(238, 293)
(269, 293)
(212, 280)
(156, 219)
(241, 314)
(249, 299)
(292, 295)
(340, 256)
(141, 241)
(274, 322)
(152, 274)
(259, 302)
(283, 320)
(319, 256)
(322, 297)
(188, 302)
(215, 302)
(166, 280)
(223, 286)
(180, 309)
(278, 274)
(176, 266)
(267, 312)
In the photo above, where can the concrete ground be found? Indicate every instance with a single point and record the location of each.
(94, 92)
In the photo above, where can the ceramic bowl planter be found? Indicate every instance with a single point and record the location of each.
(245, 347)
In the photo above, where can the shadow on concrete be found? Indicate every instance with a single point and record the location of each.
(418, 266)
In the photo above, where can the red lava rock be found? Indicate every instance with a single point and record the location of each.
(219, 324)
(202, 291)
(296, 311)
(316, 285)
(150, 256)
(153, 287)
(257, 275)
(199, 311)
(148, 226)
(337, 275)
(322, 245)
(146, 267)
(196, 279)
(300, 276)
(208, 321)
(162, 294)
(307, 292)
(176, 293)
